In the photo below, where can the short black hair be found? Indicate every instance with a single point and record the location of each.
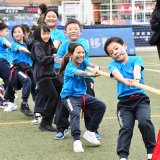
(51, 10)
(3, 26)
(110, 40)
(37, 31)
(72, 20)
(43, 7)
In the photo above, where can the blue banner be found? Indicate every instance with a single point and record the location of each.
(97, 37)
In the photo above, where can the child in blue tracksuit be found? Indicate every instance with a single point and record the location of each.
(74, 95)
(21, 74)
(4, 54)
(133, 102)
(4, 60)
(73, 31)
(51, 20)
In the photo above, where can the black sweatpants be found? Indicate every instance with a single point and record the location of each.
(74, 106)
(90, 90)
(39, 102)
(39, 98)
(50, 90)
(4, 72)
(128, 110)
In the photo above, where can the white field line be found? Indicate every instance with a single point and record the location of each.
(29, 122)
(153, 70)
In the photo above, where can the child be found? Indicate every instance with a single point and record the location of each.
(133, 102)
(51, 20)
(28, 39)
(57, 37)
(4, 56)
(27, 32)
(44, 75)
(74, 96)
(73, 30)
(4, 63)
(21, 74)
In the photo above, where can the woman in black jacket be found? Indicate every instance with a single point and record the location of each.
(44, 74)
(155, 26)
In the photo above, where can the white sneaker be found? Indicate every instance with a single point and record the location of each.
(91, 138)
(77, 146)
(10, 107)
(149, 156)
(37, 118)
(123, 159)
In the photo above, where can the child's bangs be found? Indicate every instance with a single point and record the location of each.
(45, 28)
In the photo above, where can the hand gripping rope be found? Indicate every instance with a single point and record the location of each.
(134, 84)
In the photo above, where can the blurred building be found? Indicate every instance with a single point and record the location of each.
(110, 11)
(87, 11)
(28, 2)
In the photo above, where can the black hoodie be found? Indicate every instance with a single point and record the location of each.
(42, 61)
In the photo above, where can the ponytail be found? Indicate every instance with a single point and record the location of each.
(64, 63)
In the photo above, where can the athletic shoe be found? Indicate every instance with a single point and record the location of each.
(123, 159)
(49, 128)
(149, 156)
(97, 135)
(37, 118)
(3, 103)
(77, 146)
(61, 134)
(91, 138)
(25, 109)
(10, 107)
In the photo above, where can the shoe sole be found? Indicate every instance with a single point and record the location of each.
(34, 123)
(57, 138)
(26, 114)
(60, 138)
(43, 129)
(82, 151)
(2, 107)
(93, 144)
(13, 109)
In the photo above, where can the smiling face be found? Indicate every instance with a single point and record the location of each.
(73, 31)
(117, 51)
(78, 55)
(51, 19)
(45, 36)
(18, 34)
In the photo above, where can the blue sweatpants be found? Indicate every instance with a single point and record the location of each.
(87, 102)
